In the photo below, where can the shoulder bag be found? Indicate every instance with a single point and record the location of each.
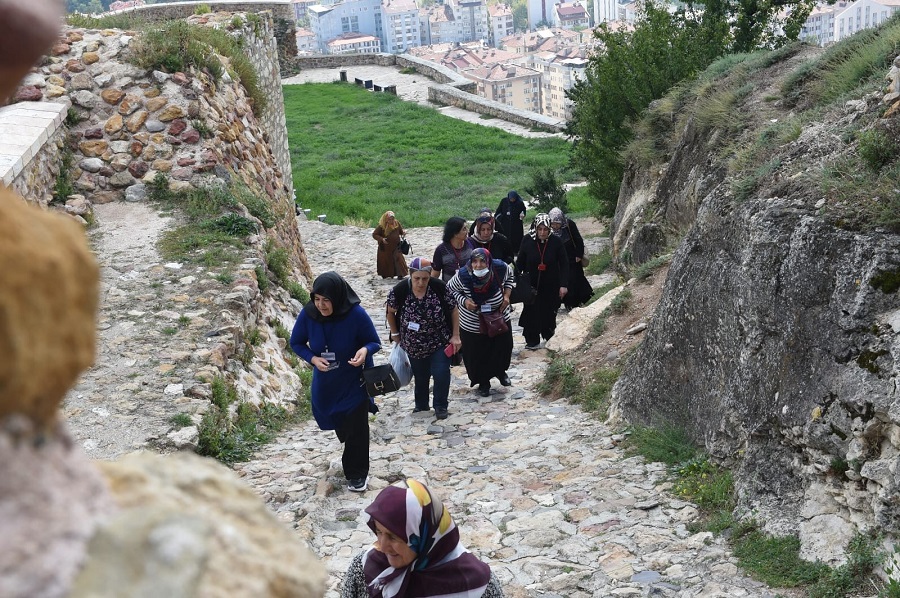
(405, 246)
(492, 323)
(380, 380)
(523, 292)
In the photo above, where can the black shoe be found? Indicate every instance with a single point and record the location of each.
(419, 409)
(358, 484)
(484, 390)
(440, 413)
(504, 379)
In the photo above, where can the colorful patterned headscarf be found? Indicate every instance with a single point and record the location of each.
(442, 567)
(484, 220)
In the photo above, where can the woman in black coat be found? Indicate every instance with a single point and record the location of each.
(580, 290)
(543, 256)
(509, 217)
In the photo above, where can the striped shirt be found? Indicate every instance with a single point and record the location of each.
(469, 320)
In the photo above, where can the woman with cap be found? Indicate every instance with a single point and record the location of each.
(543, 256)
(388, 234)
(425, 322)
(417, 551)
(510, 217)
(565, 228)
(485, 236)
(484, 285)
(335, 335)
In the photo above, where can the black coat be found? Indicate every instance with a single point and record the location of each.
(510, 216)
(553, 255)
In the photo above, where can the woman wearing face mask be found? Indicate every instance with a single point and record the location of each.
(483, 285)
(417, 551)
(423, 319)
(335, 335)
(543, 256)
(485, 236)
(579, 288)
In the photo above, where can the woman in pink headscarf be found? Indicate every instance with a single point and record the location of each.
(417, 552)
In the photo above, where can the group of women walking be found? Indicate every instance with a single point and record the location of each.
(458, 302)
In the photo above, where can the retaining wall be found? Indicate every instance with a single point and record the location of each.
(32, 138)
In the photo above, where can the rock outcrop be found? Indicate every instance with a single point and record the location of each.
(776, 340)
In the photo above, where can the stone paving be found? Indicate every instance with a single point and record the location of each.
(540, 490)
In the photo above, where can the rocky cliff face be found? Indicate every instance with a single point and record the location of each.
(776, 340)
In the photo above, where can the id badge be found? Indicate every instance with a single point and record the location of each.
(331, 359)
(414, 326)
(542, 267)
(486, 308)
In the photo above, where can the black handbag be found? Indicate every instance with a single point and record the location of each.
(380, 379)
(405, 246)
(523, 292)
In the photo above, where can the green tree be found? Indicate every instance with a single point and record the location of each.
(547, 192)
(633, 69)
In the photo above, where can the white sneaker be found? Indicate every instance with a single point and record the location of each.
(358, 484)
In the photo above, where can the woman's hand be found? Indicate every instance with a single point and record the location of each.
(456, 342)
(470, 305)
(562, 292)
(320, 363)
(360, 357)
(505, 303)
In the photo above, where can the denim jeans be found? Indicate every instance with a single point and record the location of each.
(436, 366)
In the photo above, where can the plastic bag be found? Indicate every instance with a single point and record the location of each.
(399, 360)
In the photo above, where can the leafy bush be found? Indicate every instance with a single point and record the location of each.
(706, 484)
(262, 279)
(279, 263)
(546, 191)
(297, 291)
(877, 149)
(202, 9)
(233, 224)
(181, 420)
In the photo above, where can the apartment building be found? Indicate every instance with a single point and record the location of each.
(827, 24)
(306, 41)
(559, 73)
(500, 23)
(605, 11)
(510, 84)
(543, 40)
(301, 8)
(461, 59)
(540, 12)
(402, 28)
(571, 15)
(354, 43)
(355, 16)
(455, 21)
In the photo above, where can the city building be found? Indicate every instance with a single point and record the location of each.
(500, 23)
(540, 13)
(401, 25)
(571, 15)
(354, 16)
(306, 41)
(455, 21)
(827, 24)
(354, 43)
(605, 11)
(510, 84)
(301, 7)
(461, 59)
(559, 73)
(542, 40)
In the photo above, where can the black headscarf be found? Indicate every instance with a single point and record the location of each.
(331, 286)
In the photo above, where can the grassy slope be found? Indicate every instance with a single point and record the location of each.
(356, 154)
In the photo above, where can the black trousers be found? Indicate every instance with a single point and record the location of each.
(354, 433)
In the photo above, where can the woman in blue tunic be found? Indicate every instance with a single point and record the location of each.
(336, 336)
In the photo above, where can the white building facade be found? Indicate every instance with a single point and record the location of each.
(500, 23)
(828, 24)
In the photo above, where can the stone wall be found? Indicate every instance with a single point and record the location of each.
(32, 138)
(182, 10)
(452, 89)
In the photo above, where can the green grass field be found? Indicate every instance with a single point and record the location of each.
(356, 154)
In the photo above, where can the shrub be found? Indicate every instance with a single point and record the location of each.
(234, 225)
(775, 561)
(262, 279)
(560, 378)
(666, 443)
(181, 420)
(645, 270)
(594, 396)
(202, 9)
(279, 263)
(257, 207)
(546, 191)
(877, 149)
(297, 291)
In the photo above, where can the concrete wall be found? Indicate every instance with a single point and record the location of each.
(32, 137)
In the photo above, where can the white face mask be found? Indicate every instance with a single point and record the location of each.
(482, 272)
